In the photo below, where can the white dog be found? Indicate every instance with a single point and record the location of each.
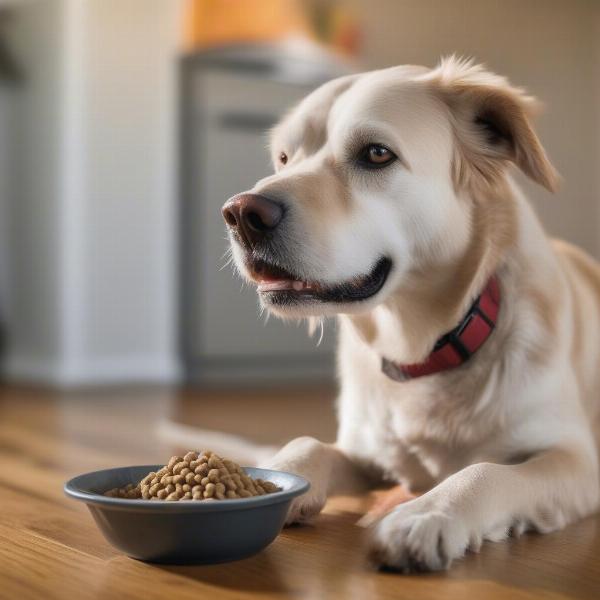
(469, 351)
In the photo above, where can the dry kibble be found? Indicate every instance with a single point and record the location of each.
(202, 470)
(179, 467)
(148, 478)
(209, 492)
(214, 462)
(202, 476)
(190, 456)
(174, 460)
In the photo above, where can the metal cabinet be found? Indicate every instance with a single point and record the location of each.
(231, 99)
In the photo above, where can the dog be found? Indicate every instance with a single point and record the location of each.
(469, 341)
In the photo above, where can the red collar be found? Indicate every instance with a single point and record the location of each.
(457, 346)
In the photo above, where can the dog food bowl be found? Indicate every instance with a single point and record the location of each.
(187, 531)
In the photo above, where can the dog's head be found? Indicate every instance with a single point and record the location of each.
(377, 177)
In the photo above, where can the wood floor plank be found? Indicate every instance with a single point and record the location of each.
(50, 547)
(57, 571)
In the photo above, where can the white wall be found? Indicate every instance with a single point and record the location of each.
(93, 264)
(551, 47)
(596, 119)
(7, 105)
(35, 334)
(128, 276)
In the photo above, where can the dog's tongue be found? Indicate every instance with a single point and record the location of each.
(271, 285)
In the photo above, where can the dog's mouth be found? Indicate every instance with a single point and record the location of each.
(280, 287)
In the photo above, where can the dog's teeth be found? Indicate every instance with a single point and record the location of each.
(272, 286)
(298, 285)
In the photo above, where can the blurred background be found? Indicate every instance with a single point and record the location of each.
(125, 124)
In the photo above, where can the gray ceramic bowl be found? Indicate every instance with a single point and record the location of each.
(186, 531)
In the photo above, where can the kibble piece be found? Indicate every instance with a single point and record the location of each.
(210, 490)
(202, 469)
(148, 478)
(268, 486)
(179, 467)
(190, 456)
(230, 484)
(214, 462)
(154, 489)
(174, 460)
(220, 491)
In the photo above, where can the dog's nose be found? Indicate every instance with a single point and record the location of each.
(252, 216)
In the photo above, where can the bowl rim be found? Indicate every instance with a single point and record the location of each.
(73, 489)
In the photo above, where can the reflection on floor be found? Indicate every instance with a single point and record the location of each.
(248, 426)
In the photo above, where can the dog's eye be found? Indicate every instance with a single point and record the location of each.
(375, 156)
(283, 158)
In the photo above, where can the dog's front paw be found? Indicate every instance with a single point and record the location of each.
(305, 508)
(303, 457)
(413, 539)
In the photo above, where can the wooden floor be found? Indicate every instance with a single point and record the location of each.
(50, 547)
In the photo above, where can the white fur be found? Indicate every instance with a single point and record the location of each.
(505, 444)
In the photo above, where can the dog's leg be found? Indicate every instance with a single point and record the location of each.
(328, 469)
(487, 501)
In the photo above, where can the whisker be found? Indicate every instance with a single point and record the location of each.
(322, 334)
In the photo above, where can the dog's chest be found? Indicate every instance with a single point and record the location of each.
(417, 434)
(418, 431)
(415, 444)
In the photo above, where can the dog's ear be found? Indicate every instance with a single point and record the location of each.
(492, 124)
